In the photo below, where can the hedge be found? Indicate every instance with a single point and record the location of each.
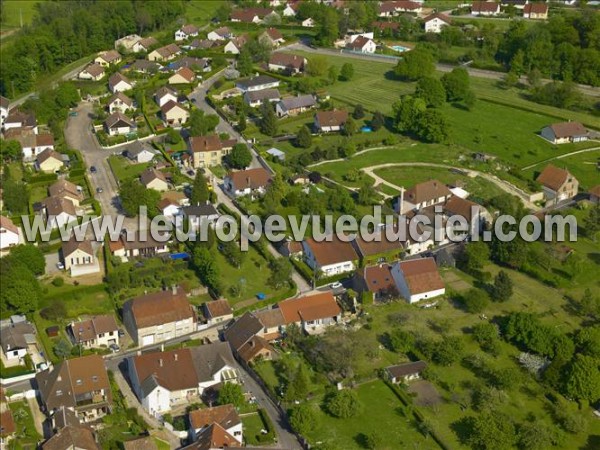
(270, 435)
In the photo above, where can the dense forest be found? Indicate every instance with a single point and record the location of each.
(63, 32)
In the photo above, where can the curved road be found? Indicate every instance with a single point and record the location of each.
(504, 185)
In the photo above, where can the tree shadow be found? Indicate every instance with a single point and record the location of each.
(391, 75)
(463, 429)
(592, 443)
(594, 257)
(460, 106)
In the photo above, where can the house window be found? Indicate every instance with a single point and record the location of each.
(58, 393)
(101, 335)
(79, 382)
(94, 378)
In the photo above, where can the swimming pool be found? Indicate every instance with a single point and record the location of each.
(399, 48)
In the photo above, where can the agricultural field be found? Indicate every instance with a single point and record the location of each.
(13, 11)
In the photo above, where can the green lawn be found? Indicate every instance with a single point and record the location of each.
(124, 170)
(201, 12)
(13, 11)
(26, 435)
(253, 424)
(250, 279)
(380, 415)
(583, 166)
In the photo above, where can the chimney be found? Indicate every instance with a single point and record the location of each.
(160, 362)
(174, 289)
(162, 347)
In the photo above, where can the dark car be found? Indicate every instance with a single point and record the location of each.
(99, 190)
(93, 169)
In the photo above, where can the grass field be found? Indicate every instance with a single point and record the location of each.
(123, 169)
(15, 10)
(380, 416)
(27, 437)
(200, 12)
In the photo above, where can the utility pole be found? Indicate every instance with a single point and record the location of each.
(21, 16)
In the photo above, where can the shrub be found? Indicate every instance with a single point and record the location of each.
(343, 404)
(58, 281)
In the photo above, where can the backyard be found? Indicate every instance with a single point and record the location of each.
(27, 437)
(123, 169)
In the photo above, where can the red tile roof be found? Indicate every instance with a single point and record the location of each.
(312, 307)
(421, 275)
(553, 177)
(331, 252)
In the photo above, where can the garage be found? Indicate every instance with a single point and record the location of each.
(148, 340)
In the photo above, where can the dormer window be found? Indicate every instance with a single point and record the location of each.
(79, 382)
(58, 393)
(94, 378)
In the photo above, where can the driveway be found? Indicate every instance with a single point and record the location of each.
(285, 438)
(51, 262)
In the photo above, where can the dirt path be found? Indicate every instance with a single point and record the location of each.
(577, 152)
(504, 185)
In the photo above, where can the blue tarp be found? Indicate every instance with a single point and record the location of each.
(261, 296)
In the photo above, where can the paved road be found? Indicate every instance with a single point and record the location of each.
(478, 73)
(79, 136)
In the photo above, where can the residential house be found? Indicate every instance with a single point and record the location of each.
(16, 339)
(119, 102)
(535, 11)
(32, 144)
(395, 8)
(308, 23)
(475, 214)
(249, 335)
(213, 437)
(383, 26)
(49, 161)
(220, 34)
(59, 211)
(154, 179)
(235, 45)
(285, 62)
(144, 66)
(67, 190)
(108, 58)
(166, 53)
(159, 316)
(117, 124)
(199, 214)
(144, 45)
(565, 132)
(186, 32)
(126, 42)
(174, 114)
(169, 208)
(422, 195)
(202, 44)
(403, 373)
(133, 247)
(312, 313)
(257, 83)
(217, 311)
(184, 75)
(594, 195)
(9, 234)
(291, 249)
(195, 64)
(289, 10)
(95, 332)
(250, 15)
(94, 72)
(329, 121)
(19, 119)
(140, 152)
(377, 247)
(247, 182)
(518, 4)
(435, 22)
(329, 257)
(165, 379)
(72, 437)
(376, 279)
(4, 108)
(225, 416)
(418, 279)
(162, 380)
(271, 37)
(207, 151)
(485, 8)
(256, 98)
(79, 257)
(557, 184)
(165, 94)
(362, 45)
(275, 153)
(119, 83)
(79, 384)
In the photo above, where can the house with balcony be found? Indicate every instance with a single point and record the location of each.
(95, 332)
(312, 313)
(79, 384)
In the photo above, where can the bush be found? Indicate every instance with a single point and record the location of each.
(58, 281)
(343, 404)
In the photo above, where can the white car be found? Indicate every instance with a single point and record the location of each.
(60, 266)
(336, 285)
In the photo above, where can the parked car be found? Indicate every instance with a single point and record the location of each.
(99, 190)
(60, 266)
(336, 285)
(93, 169)
(114, 348)
(121, 333)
